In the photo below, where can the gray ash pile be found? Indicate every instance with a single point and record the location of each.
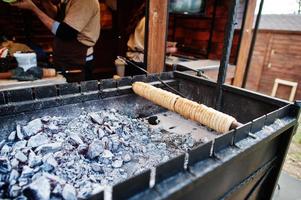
(70, 158)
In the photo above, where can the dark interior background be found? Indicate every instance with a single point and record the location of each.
(199, 36)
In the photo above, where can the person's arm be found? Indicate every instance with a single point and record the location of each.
(49, 8)
(29, 5)
(61, 30)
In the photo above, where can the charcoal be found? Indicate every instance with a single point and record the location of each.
(96, 167)
(127, 158)
(106, 161)
(162, 146)
(14, 163)
(190, 142)
(49, 148)
(96, 118)
(153, 120)
(85, 192)
(117, 163)
(87, 152)
(54, 179)
(69, 192)
(46, 119)
(33, 127)
(82, 148)
(95, 149)
(107, 154)
(106, 143)
(34, 160)
(49, 163)
(57, 190)
(38, 190)
(165, 158)
(20, 145)
(6, 150)
(144, 139)
(14, 191)
(5, 166)
(20, 156)
(37, 140)
(75, 139)
(21, 197)
(20, 135)
(27, 172)
(14, 175)
(52, 127)
(108, 129)
(101, 133)
(23, 181)
(12, 136)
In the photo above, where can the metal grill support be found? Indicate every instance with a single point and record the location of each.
(226, 53)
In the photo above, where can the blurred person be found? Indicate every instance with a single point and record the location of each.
(76, 28)
(135, 44)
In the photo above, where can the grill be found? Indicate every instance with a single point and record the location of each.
(241, 164)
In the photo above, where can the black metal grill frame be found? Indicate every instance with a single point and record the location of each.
(209, 163)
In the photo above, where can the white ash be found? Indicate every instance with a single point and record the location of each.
(75, 157)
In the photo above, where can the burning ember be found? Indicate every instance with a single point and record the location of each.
(70, 158)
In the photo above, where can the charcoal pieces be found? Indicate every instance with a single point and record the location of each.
(34, 160)
(68, 158)
(153, 120)
(57, 190)
(14, 163)
(37, 140)
(5, 150)
(69, 192)
(82, 148)
(96, 118)
(27, 172)
(33, 127)
(75, 139)
(12, 136)
(20, 145)
(107, 154)
(101, 133)
(49, 163)
(117, 163)
(96, 167)
(5, 166)
(14, 191)
(127, 158)
(14, 175)
(95, 149)
(38, 190)
(20, 156)
(49, 148)
(20, 135)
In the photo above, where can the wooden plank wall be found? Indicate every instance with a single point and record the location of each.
(194, 32)
(276, 55)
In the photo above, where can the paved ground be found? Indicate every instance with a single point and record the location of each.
(290, 188)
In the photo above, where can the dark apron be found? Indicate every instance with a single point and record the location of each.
(68, 54)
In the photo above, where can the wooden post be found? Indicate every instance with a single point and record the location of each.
(245, 43)
(157, 33)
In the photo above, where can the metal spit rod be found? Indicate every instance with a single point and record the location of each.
(127, 61)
